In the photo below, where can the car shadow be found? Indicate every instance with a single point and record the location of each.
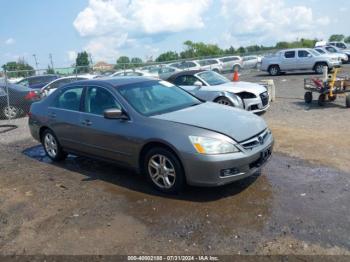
(93, 170)
(314, 105)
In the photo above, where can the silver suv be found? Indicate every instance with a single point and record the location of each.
(296, 60)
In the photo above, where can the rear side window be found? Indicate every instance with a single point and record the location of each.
(69, 99)
(229, 59)
(289, 54)
(303, 53)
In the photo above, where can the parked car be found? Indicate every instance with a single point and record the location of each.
(211, 86)
(340, 56)
(131, 72)
(166, 71)
(340, 45)
(15, 100)
(231, 63)
(297, 59)
(251, 61)
(210, 64)
(37, 82)
(52, 86)
(335, 50)
(186, 65)
(155, 128)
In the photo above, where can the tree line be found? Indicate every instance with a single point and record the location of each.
(191, 50)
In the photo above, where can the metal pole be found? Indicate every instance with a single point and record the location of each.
(7, 92)
(36, 62)
(50, 56)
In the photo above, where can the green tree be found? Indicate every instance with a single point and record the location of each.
(123, 62)
(336, 38)
(241, 50)
(21, 67)
(50, 70)
(82, 62)
(347, 40)
(200, 49)
(136, 60)
(230, 51)
(167, 56)
(282, 45)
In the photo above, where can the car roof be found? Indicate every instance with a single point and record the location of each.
(186, 72)
(117, 81)
(30, 77)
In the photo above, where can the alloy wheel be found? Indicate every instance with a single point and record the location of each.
(162, 171)
(11, 112)
(50, 144)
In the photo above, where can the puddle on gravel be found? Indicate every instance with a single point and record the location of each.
(290, 198)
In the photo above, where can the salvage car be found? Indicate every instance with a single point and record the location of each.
(37, 82)
(211, 86)
(340, 56)
(210, 64)
(153, 127)
(231, 63)
(298, 59)
(15, 100)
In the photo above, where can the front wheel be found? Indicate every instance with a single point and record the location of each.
(164, 170)
(308, 97)
(319, 68)
(224, 101)
(52, 147)
(321, 99)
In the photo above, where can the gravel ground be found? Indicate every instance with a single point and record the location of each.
(298, 205)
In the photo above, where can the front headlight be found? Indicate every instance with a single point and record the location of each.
(212, 146)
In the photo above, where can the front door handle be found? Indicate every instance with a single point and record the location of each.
(86, 122)
(52, 115)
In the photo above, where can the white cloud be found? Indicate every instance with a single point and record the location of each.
(10, 41)
(268, 21)
(72, 55)
(120, 22)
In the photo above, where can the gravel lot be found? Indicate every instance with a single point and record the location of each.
(298, 205)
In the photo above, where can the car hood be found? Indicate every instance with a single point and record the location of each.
(240, 86)
(235, 123)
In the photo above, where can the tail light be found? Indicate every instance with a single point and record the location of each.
(32, 95)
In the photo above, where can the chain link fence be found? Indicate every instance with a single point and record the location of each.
(19, 89)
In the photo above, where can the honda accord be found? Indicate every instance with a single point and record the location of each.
(153, 127)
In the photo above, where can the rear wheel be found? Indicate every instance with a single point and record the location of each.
(347, 101)
(224, 101)
(164, 170)
(274, 70)
(11, 112)
(321, 99)
(308, 97)
(52, 147)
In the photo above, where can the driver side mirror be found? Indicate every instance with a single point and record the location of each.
(114, 113)
(198, 83)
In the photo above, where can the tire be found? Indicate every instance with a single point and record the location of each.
(319, 68)
(347, 101)
(321, 99)
(308, 97)
(52, 147)
(332, 98)
(11, 112)
(224, 101)
(164, 170)
(274, 70)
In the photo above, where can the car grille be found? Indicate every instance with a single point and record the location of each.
(256, 140)
(264, 98)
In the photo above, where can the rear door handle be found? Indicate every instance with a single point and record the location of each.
(52, 115)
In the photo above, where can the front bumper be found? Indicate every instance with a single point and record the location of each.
(257, 104)
(207, 170)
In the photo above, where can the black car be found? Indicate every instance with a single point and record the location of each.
(37, 82)
(15, 100)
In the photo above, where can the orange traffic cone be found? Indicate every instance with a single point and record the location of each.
(235, 76)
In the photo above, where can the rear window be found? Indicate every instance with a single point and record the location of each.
(289, 54)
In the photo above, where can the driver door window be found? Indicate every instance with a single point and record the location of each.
(186, 80)
(98, 99)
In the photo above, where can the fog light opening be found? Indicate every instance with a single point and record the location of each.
(229, 172)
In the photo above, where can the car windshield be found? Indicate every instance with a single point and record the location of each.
(212, 78)
(320, 51)
(156, 97)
